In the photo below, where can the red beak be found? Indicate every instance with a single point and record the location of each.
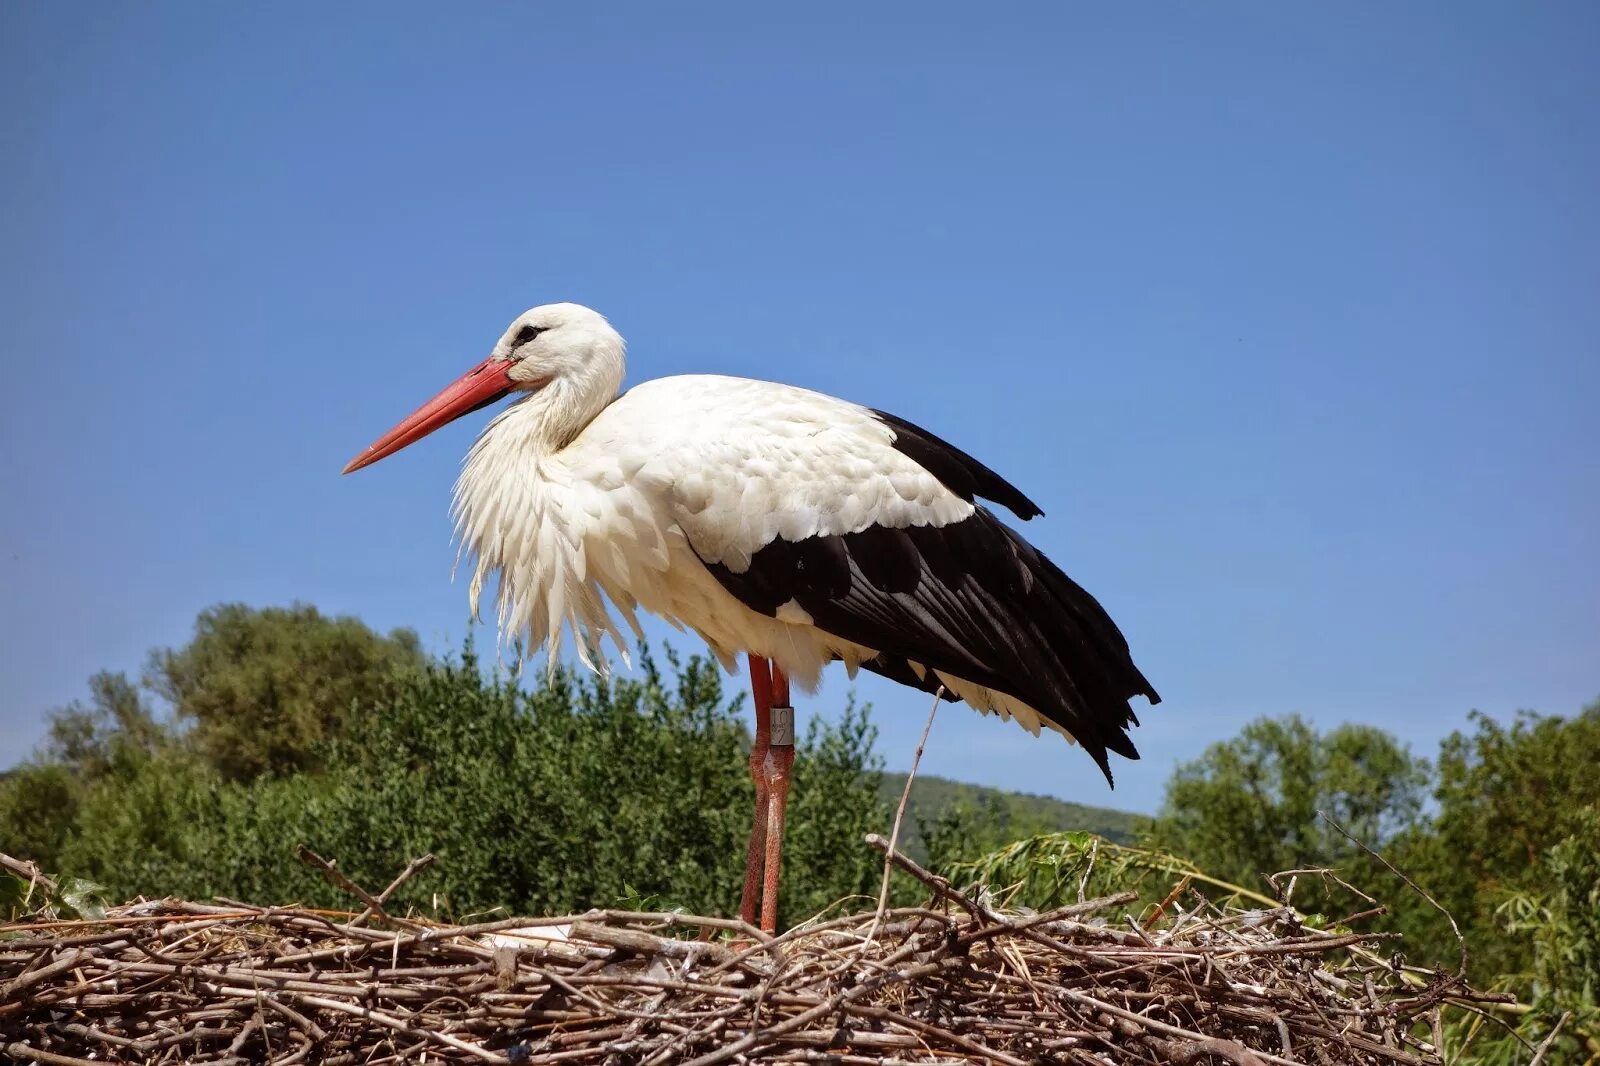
(478, 387)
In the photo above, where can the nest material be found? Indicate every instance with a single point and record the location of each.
(954, 981)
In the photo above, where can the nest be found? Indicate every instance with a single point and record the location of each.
(953, 981)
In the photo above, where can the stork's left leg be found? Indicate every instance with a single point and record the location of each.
(779, 765)
(756, 855)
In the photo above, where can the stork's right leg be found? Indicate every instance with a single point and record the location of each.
(779, 765)
(756, 856)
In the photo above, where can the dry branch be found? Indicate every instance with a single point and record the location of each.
(955, 981)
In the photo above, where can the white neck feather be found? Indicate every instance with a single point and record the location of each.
(509, 510)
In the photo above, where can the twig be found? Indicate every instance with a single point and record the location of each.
(1228, 1049)
(937, 884)
(1547, 1042)
(301, 1022)
(339, 880)
(1172, 897)
(416, 866)
(1461, 941)
(649, 944)
(23, 1051)
(1088, 868)
(899, 812)
(391, 1022)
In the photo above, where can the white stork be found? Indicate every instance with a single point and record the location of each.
(781, 523)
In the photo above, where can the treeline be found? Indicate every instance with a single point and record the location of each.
(276, 727)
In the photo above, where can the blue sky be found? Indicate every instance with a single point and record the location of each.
(1287, 316)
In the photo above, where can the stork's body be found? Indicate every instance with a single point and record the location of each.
(796, 528)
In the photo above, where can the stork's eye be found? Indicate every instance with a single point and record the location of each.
(526, 334)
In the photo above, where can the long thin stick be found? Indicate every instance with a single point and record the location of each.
(899, 813)
(1461, 971)
(23, 1051)
(1545, 1045)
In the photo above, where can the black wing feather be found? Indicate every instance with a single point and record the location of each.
(972, 599)
(955, 469)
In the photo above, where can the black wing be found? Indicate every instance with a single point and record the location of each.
(958, 471)
(971, 599)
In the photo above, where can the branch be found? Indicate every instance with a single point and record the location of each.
(31, 871)
(337, 878)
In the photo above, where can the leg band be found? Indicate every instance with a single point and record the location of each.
(783, 727)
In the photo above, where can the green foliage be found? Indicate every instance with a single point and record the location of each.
(578, 793)
(542, 801)
(1249, 806)
(1561, 922)
(38, 805)
(255, 691)
(834, 802)
(1506, 797)
(24, 898)
(1515, 852)
(1056, 868)
(39, 800)
(960, 830)
(258, 689)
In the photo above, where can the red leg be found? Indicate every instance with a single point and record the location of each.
(778, 764)
(755, 855)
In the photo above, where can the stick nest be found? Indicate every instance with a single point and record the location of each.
(169, 981)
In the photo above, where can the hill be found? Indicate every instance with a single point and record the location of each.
(1023, 813)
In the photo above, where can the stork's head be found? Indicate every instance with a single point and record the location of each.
(565, 349)
(553, 341)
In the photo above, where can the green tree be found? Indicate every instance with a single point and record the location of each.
(257, 689)
(114, 726)
(1506, 797)
(1560, 921)
(39, 800)
(1248, 806)
(38, 806)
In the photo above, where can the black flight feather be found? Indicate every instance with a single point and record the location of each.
(955, 469)
(971, 599)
